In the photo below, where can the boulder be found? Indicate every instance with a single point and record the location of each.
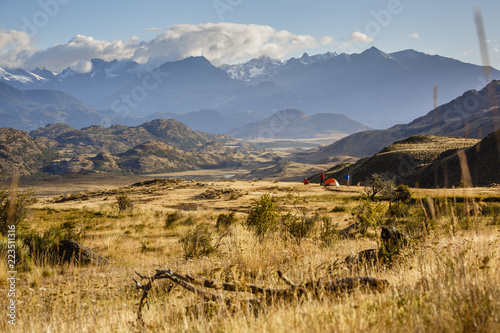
(73, 252)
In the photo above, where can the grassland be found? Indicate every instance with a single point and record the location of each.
(446, 281)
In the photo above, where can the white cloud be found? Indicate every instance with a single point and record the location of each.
(414, 35)
(15, 47)
(467, 52)
(354, 40)
(359, 37)
(219, 42)
(327, 40)
(79, 50)
(222, 42)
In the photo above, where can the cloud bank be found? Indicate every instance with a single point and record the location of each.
(218, 42)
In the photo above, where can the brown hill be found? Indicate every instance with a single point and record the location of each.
(294, 124)
(118, 138)
(284, 171)
(20, 153)
(154, 147)
(402, 161)
(478, 165)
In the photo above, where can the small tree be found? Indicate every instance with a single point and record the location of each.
(403, 193)
(263, 216)
(378, 184)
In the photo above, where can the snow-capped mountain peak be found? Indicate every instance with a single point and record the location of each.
(21, 78)
(306, 59)
(255, 70)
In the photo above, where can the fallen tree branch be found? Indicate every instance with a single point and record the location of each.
(269, 295)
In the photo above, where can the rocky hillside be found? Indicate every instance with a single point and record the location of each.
(118, 138)
(478, 165)
(154, 147)
(20, 153)
(405, 161)
(470, 115)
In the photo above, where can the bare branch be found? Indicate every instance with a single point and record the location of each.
(287, 280)
(270, 295)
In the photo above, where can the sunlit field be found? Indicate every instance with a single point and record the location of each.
(444, 279)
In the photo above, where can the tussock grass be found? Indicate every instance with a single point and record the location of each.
(446, 281)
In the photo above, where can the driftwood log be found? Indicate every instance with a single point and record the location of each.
(266, 295)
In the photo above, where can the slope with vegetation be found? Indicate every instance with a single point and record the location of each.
(478, 165)
(21, 154)
(404, 161)
(474, 115)
(437, 269)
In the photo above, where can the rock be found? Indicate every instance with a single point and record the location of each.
(351, 230)
(71, 251)
(392, 239)
(370, 256)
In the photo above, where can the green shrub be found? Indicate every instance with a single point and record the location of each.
(399, 209)
(124, 202)
(329, 231)
(171, 219)
(368, 214)
(263, 216)
(198, 242)
(299, 226)
(338, 209)
(403, 193)
(43, 245)
(224, 221)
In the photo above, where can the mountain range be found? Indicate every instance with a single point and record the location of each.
(373, 87)
(294, 124)
(474, 114)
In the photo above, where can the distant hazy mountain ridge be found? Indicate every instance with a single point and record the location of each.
(373, 87)
(294, 124)
(469, 115)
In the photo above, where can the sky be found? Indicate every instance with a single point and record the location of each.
(56, 34)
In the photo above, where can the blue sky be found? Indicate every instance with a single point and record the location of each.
(60, 33)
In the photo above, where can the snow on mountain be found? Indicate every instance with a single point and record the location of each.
(373, 87)
(23, 79)
(255, 70)
(264, 68)
(65, 74)
(306, 59)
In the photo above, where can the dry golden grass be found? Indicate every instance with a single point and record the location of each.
(448, 282)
